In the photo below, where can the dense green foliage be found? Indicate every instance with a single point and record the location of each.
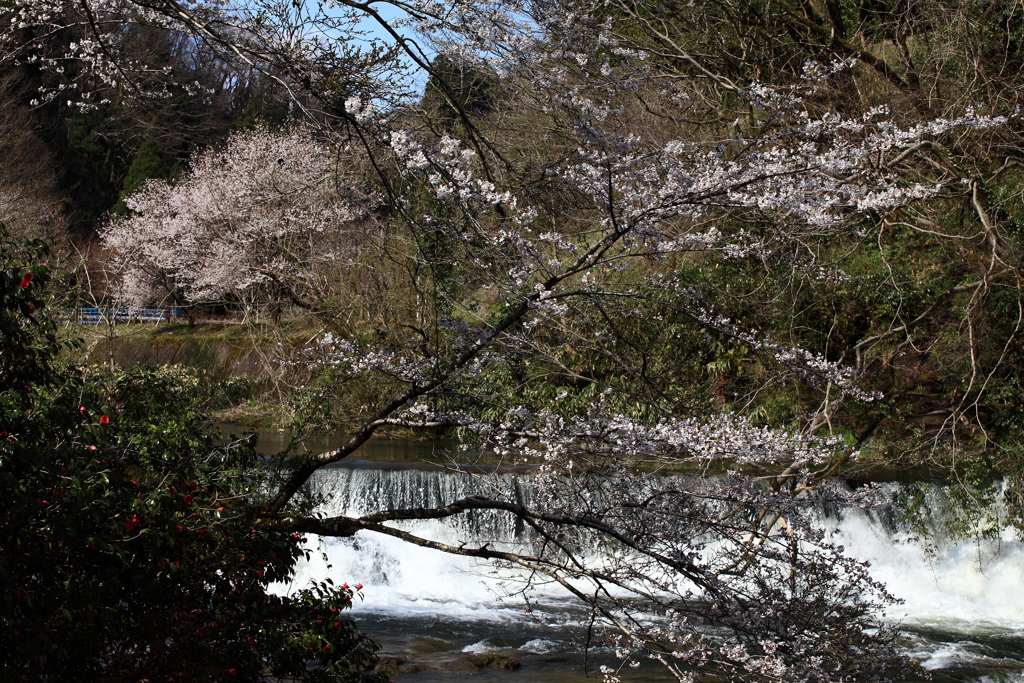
(128, 546)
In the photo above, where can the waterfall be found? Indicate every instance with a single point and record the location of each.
(963, 601)
(977, 581)
(361, 490)
(406, 579)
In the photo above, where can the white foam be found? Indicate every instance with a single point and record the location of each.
(960, 587)
(481, 648)
(967, 585)
(971, 655)
(402, 579)
(541, 646)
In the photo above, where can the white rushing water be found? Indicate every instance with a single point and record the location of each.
(962, 604)
(976, 583)
(403, 579)
(962, 609)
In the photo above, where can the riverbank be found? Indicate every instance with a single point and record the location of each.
(215, 352)
(260, 354)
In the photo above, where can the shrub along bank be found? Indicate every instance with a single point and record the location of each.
(128, 547)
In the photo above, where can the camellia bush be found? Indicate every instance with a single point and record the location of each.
(127, 546)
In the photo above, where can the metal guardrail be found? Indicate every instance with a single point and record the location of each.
(107, 316)
(98, 316)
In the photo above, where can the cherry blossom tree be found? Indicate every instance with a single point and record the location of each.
(743, 583)
(746, 545)
(254, 221)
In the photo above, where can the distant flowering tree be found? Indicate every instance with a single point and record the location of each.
(259, 221)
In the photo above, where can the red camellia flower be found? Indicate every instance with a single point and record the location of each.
(104, 420)
(250, 640)
(188, 500)
(28, 276)
(25, 284)
(233, 672)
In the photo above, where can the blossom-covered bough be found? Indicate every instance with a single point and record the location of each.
(738, 554)
(740, 582)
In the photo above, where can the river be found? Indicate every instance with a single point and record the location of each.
(439, 617)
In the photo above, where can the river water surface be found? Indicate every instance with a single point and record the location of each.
(442, 618)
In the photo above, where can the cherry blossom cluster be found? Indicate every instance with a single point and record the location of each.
(96, 61)
(447, 166)
(817, 170)
(558, 440)
(500, 30)
(344, 354)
